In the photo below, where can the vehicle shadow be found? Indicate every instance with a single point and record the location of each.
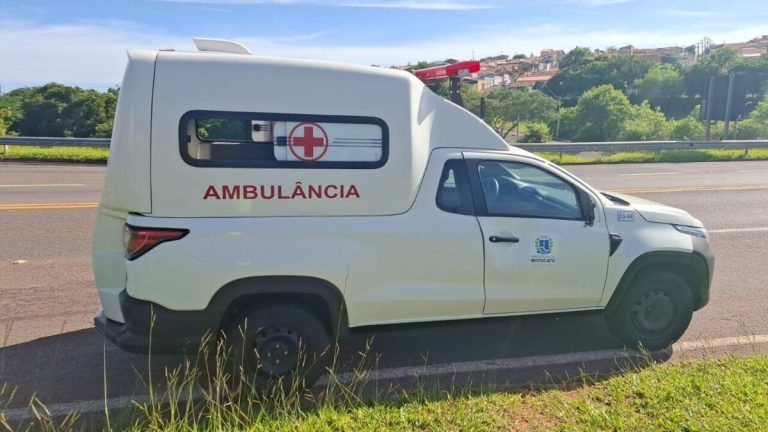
(82, 365)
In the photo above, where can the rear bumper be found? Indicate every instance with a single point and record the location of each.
(150, 328)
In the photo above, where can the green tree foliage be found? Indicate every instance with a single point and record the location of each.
(619, 71)
(661, 82)
(686, 129)
(518, 56)
(61, 111)
(5, 121)
(576, 57)
(645, 124)
(599, 115)
(537, 133)
(505, 108)
(718, 63)
(755, 126)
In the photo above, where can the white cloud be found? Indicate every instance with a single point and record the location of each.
(94, 53)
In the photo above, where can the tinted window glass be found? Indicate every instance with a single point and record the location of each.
(453, 194)
(230, 139)
(517, 189)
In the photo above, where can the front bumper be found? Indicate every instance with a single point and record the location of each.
(150, 328)
(701, 247)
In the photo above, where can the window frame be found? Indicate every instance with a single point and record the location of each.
(311, 118)
(467, 206)
(478, 195)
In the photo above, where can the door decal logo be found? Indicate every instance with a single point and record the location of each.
(542, 254)
(544, 245)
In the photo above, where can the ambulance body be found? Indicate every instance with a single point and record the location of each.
(305, 198)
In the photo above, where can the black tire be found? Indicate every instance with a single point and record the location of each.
(278, 345)
(654, 312)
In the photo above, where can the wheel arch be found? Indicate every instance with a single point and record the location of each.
(317, 295)
(691, 266)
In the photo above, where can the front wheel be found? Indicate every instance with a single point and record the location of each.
(654, 312)
(279, 345)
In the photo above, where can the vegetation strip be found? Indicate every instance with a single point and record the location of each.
(49, 206)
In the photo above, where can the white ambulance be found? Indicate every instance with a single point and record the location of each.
(299, 199)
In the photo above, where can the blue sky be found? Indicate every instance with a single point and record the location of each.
(83, 42)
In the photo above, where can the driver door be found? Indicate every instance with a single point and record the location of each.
(541, 251)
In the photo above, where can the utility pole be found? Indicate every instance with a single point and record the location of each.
(728, 103)
(710, 96)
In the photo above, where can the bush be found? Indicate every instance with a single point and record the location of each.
(749, 129)
(537, 133)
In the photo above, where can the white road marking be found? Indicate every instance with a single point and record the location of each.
(737, 230)
(43, 185)
(753, 170)
(650, 174)
(15, 415)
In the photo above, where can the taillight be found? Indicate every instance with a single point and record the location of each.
(138, 240)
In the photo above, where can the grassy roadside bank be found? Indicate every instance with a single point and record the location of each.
(99, 155)
(716, 395)
(55, 154)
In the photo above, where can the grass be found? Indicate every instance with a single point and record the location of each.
(89, 154)
(709, 155)
(55, 154)
(715, 395)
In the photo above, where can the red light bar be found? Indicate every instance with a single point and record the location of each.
(447, 71)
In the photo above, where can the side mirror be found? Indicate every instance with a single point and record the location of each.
(588, 208)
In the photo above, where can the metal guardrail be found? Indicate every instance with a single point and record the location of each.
(546, 147)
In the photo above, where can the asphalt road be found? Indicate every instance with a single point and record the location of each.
(47, 297)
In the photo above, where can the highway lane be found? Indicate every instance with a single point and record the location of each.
(47, 298)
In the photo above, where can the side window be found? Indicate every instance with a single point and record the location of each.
(454, 193)
(273, 140)
(522, 190)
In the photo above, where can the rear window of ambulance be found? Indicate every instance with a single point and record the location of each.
(236, 139)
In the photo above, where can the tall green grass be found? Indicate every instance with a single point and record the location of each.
(205, 393)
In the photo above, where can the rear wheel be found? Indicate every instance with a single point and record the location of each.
(654, 312)
(279, 345)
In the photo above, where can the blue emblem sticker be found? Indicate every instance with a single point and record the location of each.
(625, 216)
(544, 245)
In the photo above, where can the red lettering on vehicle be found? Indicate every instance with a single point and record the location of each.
(230, 192)
(211, 192)
(268, 192)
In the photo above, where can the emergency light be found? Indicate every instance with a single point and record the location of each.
(454, 72)
(459, 69)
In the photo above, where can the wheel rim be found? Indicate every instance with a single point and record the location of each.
(653, 312)
(277, 350)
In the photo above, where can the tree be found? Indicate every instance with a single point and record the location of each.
(61, 111)
(720, 62)
(576, 57)
(518, 56)
(5, 121)
(619, 71)
(505, 108)
(645, 124)
(661, 82)
(601, 114)
(686, 129)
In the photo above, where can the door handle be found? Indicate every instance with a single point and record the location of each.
(497, 239)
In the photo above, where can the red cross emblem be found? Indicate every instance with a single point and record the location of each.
(308, 141)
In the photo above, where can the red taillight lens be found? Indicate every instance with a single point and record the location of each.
(139, 241)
